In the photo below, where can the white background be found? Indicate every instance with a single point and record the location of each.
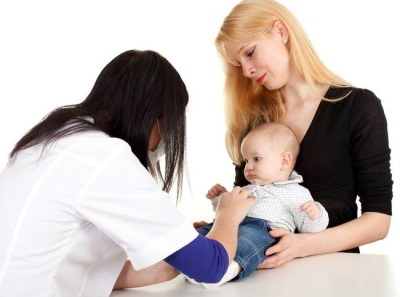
(51, 53)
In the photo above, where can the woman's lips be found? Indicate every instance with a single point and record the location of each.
(261, 78)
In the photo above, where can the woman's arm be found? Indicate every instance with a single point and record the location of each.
(230, 212)
(370, 160)
(369, 227)
(157, 273)
(206, 259)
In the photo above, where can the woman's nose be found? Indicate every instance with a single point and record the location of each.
(248, 70)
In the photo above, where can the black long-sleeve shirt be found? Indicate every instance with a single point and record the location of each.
(344, 154)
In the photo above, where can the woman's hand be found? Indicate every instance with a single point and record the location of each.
(235, 204)
(231, 210)
(157, 273)
(288, 248)
(215, 191)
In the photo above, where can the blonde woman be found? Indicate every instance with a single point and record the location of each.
(273, 74)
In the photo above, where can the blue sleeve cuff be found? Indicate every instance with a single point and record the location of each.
(204, 260)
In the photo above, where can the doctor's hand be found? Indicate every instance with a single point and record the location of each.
(289, 247)
(235, 204)
(215, 191)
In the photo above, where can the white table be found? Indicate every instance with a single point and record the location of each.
(336, 275)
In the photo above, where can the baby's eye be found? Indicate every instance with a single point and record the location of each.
(246, 161)
(256, 159)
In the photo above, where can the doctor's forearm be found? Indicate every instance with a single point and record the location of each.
(157, 273)
(225, 230)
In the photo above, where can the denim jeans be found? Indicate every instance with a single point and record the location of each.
(253, 240)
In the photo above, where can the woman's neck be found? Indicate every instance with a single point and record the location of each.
(298, 92)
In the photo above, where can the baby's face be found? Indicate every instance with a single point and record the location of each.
(263, 160)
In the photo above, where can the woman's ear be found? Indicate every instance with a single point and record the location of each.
(287, 160)
(281, 28)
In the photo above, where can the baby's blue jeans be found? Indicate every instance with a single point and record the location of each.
(253, 240)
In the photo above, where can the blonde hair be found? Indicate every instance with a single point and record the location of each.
(247, 104)
(280, 136)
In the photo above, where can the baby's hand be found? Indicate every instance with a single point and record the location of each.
(199, 224)
(311, 209)
(216, 191)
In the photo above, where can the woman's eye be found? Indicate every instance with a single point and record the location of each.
(250, 53)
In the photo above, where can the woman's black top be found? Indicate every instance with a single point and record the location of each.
(344, 154)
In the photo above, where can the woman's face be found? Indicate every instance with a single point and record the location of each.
(155, 136)
(265, 61)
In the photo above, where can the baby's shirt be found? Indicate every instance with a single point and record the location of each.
(279, 204)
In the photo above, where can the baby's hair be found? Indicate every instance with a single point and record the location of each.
(280, 135)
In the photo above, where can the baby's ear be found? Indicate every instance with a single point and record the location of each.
(286, 160)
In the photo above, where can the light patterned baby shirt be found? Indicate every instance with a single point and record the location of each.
(279, 204)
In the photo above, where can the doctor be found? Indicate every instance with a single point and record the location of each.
(78, 196)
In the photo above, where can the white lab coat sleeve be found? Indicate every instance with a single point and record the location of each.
(123, 200)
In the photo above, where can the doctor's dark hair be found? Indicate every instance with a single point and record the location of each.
(134, 90)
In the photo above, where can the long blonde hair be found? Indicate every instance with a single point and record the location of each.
(247, 104)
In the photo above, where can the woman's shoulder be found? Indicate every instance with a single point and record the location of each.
(93, 145)
(355, 100)
(364, 102)
(365, 96)
(95, 139)
(354, 95)
(362, 108)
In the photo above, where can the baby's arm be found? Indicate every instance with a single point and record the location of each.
(310, 215)
(215, 193)
(312, 223)
(216, 190)
(311, 209)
